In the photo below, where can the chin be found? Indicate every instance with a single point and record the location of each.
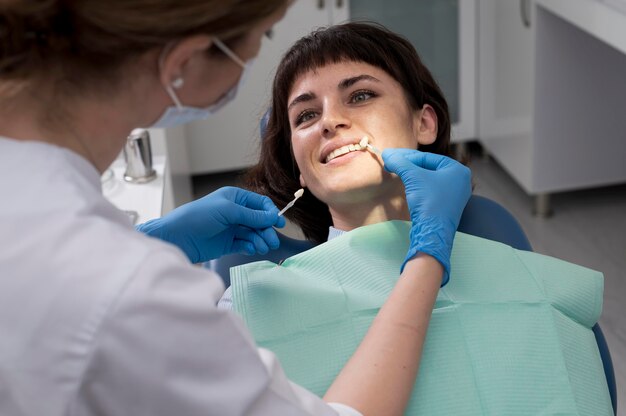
(356, 190)
(351, 183)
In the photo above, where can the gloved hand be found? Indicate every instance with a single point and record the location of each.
(437, 190)
(229, 220)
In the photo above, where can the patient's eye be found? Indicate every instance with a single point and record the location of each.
(304, 116)
(362, 95)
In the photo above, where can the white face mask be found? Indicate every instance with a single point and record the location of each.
(181, 114)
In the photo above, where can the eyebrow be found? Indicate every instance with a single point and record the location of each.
(348, 82)
(343, 84)
(302, 98)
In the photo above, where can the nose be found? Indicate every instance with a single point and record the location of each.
(333, 120)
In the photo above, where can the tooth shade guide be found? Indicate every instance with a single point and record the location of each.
(366, 145)
(297, 195)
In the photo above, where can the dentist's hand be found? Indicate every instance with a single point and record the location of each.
(229, 220)
(437, 190)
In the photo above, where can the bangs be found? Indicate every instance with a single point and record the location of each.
(336, 44)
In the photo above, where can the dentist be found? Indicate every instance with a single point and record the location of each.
(99, 319)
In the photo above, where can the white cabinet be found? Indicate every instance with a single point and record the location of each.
(552, 94)
(505, 83)
(145, 200)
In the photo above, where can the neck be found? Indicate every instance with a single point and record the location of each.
(94, 129)
(388, 206)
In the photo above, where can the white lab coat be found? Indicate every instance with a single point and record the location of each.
(97, 319)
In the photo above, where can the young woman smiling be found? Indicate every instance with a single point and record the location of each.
(331, 89)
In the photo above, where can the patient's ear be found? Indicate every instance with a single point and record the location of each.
(425, 125)
(302, 182)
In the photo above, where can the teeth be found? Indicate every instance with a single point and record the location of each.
(342, 151)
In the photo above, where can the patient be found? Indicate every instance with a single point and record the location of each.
(331, 89)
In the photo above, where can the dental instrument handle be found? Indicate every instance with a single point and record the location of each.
(297, 195)
(374, 150)
(289, 205)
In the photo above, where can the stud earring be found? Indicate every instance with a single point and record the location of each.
(178, 83)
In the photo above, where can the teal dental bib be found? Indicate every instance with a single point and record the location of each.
(509, 335)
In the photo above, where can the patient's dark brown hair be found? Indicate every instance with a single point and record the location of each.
(276, 174)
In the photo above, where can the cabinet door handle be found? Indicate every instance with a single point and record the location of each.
(321, 4)
(524, 6)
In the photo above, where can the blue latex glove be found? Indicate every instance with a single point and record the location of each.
(229, 220)
(437, 190)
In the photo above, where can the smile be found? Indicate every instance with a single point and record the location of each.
(342, 151)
